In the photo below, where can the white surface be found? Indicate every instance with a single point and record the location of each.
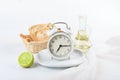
(9, 68)
(76, 58)
(103, 22)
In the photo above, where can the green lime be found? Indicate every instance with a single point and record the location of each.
(26, 59)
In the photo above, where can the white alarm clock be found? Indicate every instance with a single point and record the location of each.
(60, 44)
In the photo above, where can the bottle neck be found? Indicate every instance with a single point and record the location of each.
(82, 22)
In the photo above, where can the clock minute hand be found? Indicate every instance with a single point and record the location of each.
(65, 45)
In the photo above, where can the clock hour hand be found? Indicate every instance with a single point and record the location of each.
(59, 48)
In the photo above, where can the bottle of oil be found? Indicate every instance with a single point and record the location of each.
(82, 42)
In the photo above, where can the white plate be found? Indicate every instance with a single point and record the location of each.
(76, 58)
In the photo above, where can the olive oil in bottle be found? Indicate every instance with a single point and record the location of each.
(82, 42)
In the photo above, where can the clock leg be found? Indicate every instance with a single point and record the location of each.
(52, 58)
(69, 57)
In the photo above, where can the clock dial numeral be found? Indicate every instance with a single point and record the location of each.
(68, 49)
(64, 37)
(60, 36)
(52, 50)
(60, 54)
(65, 52)
(68, 41)
(50, 45)
(52, 41)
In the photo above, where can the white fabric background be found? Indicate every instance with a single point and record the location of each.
(103, 16)
(16, 16)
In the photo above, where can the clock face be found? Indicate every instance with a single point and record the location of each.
(60, 45)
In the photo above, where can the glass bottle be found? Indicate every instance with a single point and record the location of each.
(82, 42)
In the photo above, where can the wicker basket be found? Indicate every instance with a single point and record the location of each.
(35, 46)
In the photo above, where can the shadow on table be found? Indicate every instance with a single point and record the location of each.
(35, 65)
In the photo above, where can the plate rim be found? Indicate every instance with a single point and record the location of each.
(53, 66)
